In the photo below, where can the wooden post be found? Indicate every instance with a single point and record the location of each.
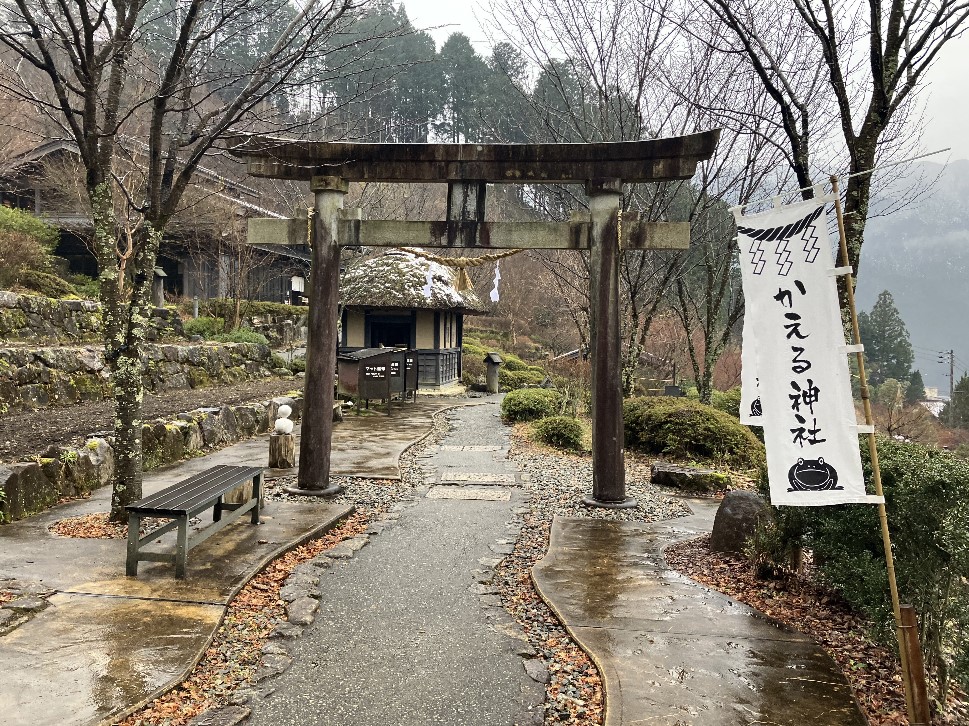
(922, 715)
(316, 432)
(282, 451)
(876, 475)
(608, 467)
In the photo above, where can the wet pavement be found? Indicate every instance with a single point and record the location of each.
(672, 652)
(406, 634)
(408, 630)
(106, 642)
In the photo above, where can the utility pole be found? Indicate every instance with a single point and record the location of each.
(952, 377)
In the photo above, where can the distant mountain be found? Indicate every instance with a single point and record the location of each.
(921, 255)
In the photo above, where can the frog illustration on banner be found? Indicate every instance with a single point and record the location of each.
(812, 475)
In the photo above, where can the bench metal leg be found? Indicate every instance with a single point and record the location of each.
(217, 510)
(131, 563)
(257, 495)
(181, 547)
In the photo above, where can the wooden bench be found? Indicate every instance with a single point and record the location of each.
(184, 500)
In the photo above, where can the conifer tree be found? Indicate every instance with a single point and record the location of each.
(916, 388)
(888, 351)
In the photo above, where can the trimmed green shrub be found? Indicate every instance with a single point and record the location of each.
(204, 326)
(562, 432)
(225, 308)
(88, 288)
(685, 429)
(19, 220)
(473, 350)
(529, 404)
(472, 362)
(46, 284)
(242, 335)
(513, 380)
(727, 401)
(513, 363)
(25, 244)
(298, 364)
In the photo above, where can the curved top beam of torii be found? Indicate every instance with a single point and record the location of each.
(668, 159)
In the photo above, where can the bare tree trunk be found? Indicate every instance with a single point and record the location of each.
(126, 367)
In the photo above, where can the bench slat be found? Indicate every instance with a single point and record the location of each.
(195, 492)
(173, 496)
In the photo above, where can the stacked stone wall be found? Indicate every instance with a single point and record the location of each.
(36, 319)
(30, 487)
(36, 379)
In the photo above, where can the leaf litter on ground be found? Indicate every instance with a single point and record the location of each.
(872, 670)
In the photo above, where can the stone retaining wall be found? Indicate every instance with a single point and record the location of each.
(283, 325)
(280, 331)
(45, 320)
(33, 486)
(35, 379)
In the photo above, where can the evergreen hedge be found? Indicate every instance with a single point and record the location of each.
(685, 429)
(530, 404)
(562, 432)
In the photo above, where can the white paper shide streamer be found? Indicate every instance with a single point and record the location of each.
(494, 290)
(794, 352)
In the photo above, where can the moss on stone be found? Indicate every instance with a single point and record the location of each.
(11, 320)
(87, 386)
(198, 378)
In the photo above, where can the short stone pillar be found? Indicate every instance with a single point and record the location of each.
(492, 362)
(158, 288)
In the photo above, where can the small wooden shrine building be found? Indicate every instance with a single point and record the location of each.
(401, 300)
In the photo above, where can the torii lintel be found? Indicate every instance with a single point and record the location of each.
(655, 160)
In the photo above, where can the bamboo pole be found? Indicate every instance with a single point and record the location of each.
(907, 679)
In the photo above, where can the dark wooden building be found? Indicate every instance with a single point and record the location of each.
(401, 300)
(198, 254)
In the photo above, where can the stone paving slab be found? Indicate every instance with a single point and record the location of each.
(708, 680)
(470, 448)
(672, 652)
(477, 477)
(489, 494)
(87, 657)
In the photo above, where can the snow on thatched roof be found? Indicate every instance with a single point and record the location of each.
(398, 280)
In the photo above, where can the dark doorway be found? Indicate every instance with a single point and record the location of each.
(390, 332)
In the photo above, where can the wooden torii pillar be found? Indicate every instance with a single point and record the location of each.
(468, 169)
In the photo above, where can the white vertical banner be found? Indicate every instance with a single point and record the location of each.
(799, 357)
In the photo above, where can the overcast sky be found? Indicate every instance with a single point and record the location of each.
(947, 112)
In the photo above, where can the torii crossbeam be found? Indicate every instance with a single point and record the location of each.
(468, 169)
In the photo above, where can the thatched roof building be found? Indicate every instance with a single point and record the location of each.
(399, 280)
(400, 299)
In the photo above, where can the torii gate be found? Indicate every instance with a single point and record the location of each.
(467, 169)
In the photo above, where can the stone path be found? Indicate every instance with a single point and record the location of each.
(408, 631)
(672, 652)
